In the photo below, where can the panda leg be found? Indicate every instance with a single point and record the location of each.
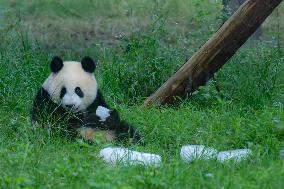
(126, 131)
(108, 135)
(110, 119)
(86, 133)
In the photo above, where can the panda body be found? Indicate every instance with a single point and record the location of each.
(70, 100)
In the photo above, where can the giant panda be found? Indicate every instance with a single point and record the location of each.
(70, 99)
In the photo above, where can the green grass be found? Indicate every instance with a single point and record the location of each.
(75, 25)
(247, 112)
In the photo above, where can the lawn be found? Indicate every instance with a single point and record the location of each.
(138, 45)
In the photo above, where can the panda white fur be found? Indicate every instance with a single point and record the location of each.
(71, 100)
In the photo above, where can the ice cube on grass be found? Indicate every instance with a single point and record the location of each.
(129, 157)
(236, 155)
(191, 152)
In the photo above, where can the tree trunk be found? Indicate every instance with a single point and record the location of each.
(216, 51)
(231, 6)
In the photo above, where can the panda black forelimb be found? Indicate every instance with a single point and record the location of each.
(125, 131)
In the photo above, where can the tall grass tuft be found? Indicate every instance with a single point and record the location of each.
(140, 64)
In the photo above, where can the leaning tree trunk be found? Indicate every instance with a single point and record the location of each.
(231, 6)
(216, 51)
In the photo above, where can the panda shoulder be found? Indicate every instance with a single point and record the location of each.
(100, 100)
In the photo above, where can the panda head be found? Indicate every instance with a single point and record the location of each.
(71, 84)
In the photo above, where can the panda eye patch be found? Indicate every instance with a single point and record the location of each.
(79, 92)
(62, 92)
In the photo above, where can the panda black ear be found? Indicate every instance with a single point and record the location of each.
(56, 64)
(88, 64)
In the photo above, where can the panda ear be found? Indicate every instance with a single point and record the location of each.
(56, 64)
(88, 64)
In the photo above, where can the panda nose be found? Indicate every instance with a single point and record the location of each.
(70, 106)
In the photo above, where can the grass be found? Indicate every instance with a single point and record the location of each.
(75, 25)
(247, 112)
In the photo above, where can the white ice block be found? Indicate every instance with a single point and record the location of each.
(126, 156)
(103, 113)
(236, 155)
(191, 152)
